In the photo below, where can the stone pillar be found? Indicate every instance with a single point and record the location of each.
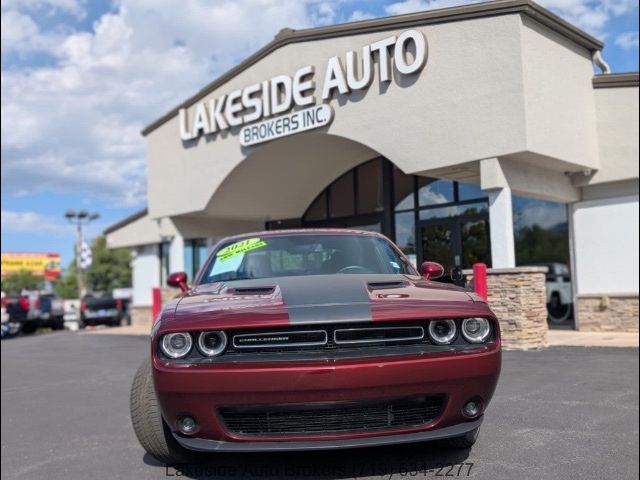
(168, 293)
(503, 254)
(518, 298)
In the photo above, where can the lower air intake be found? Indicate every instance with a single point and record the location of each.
(337, 417)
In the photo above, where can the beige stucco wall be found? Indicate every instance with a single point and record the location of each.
(559, 101)
(485, 92)
(143, 231)
(617, 123)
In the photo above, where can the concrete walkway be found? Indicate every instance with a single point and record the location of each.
(124, 330)
(571, 338)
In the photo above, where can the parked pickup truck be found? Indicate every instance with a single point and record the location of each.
(23, 310)
(51, 311)
(100, 310)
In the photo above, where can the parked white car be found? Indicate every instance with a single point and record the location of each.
(559, 293)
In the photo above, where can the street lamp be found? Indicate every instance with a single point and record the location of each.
(80, 219)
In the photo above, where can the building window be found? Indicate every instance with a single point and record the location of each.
(541, 231)
(341, 198)
(403, 190)
(195, 254)
(406, 234)
(370, 187)
(353, 200)
(318, 209)
(453, 211)
(434, 192)
(428, 218)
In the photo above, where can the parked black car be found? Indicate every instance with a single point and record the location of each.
(100, 310)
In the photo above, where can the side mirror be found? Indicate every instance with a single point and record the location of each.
(432, 270)
(178, 280)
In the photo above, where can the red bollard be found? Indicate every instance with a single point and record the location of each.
(480, 279)
(156, 304)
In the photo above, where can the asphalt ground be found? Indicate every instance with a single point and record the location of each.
(559, 413)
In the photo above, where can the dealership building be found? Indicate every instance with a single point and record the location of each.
(487, 133)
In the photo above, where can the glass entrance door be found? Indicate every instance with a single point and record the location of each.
(456, 241)
(438, 242)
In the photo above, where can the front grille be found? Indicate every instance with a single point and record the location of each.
(340, 417)
(335, 337)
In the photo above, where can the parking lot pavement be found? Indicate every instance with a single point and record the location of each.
(564, 412)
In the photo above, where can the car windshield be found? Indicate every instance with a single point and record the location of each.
(288, 255)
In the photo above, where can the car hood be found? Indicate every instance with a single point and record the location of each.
(323, 299)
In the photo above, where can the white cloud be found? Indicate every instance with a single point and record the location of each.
(358, 15)
(411, 6)
(33, 223)
(74, 125)
(590, 15)
(627, 40)
(77, 8)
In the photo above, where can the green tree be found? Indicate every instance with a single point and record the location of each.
(67, 285)
(111, 268)
(535, 244)
(15, 283)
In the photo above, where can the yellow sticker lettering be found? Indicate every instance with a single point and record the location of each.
(242, 246)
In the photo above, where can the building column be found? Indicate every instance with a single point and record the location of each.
(503, 254)
(176, 254)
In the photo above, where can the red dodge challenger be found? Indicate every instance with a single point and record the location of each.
(314, 339)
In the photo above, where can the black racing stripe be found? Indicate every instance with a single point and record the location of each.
(326, 298)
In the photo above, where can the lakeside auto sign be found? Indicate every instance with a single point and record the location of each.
(260, 108)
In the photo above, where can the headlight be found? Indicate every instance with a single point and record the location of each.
(442, 332)
(476, 330)
(212, 343)
(176, 345)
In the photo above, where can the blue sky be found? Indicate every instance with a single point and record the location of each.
(81, 78)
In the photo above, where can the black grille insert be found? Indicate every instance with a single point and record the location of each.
(340, 417)
(377, 335)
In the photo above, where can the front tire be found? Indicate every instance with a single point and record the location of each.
(29, 327)
(150, 428)
(58, 323)
(462, 442)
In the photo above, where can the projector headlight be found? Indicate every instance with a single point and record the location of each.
(176, 345)
(442, 332)
(212, 343)
(476, 330)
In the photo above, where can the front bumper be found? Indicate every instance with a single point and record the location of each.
(199, 390)
(204, 445)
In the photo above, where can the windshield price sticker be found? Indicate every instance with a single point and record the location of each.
(242, 246)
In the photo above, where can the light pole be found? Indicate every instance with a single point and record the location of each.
(80, 219)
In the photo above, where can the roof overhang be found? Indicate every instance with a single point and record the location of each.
(616, 80)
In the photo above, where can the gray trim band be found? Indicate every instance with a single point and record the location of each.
(430, 17)
(204, 445)
(616, 80)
